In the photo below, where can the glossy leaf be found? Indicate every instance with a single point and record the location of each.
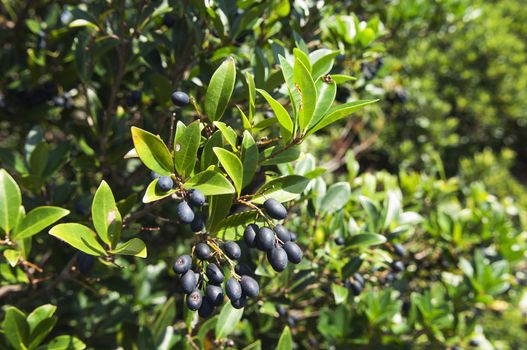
(63, 342)
(152, 151)
(283, 189)
(286, 340)
(227, 320)
(210, 182)
(294, 94)
(186, 147)
(326, 96)
(228, 133)
(286, 124)
(323, 64)
(135, 247)
(339, 112)
(10, 201)
(249, 158)
(306, 86)
(252, 95)
(367, 240)
(15, 327)
(37, 220)
(302, 57)
(232, 165)
(39, 158)
(219, 208)
(220, 89)
(208, 157)
(78, 236)
(276, 155)
(106, 218)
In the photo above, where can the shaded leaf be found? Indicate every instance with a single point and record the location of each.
(78, 236)
(152, 151)
(220, 89)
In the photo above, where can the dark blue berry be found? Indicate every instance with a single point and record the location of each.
(275, 209)
(197, 198)
(398, 249)
(293, 236)
(239, 303)
(206, 308)
(265, 239)
(356, 287)
(232, 250)
(358, 277)
(203, 251)
(249, 235)
(188, 282)
(198, 224)
(249, 286)
(180, 99)
(194, 300)
(214, 294)
(282, 233)
(233, 289)
(185, 213)
(293, 251)
(243, 269)
(85, 262)
(164, 183)
(398, 266)
(182, 264)
(214, 274)
(339, 241)
(277, 257)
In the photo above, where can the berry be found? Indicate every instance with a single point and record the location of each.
(182, 264)
(281, 310)
(398, 266)
(293, 251)
(198, 224)
(214, 274)
(206, 308)
(85, 262)
(356, 287)
(282, 233)
(232, 250)
(391, 277)
(169, 20)
(358, 277)
(265, 239)
(164, 183)
(293, 236)
(180, 99)
(197, 198)
(203, 251)
(189, 281)
(154, 175)
(249, 286)
(233, 289)
(275, 209)
(185, 213)
(239, 303)
(473, 342)
(214, 294)
(339, 241)
(249, 235)
(243, 269)
(277, 258)
(194, 300)
(398, 249)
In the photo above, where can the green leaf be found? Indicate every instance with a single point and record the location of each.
(12, 256)
(367, 239)
(152, 151)
(372, 211)
(227, 320)
(302, 57)
(105, 215)
(286, 340)
(135, 247)
(294, 94)
(64, 342)
(339, 112)
(232, 165)
(153, 194)
(276, 155)
(336, 197)
(252, 95)
(15, 327)
(219, 208)
(323, 64)
(186, 147)
(41, 332)
(220, 89)
(165, 318)
(10, 201)
(228, 133)
(245, 120)
(305, 84)
(341, 78)
(257, 345)
(232, 227)
(249, 158)
(78, 236)
(326, 95)
(39, 158)
(208, 157)
(37, 220)
(340, 293)
(41, 322)
(40, 314)
(210, 182)
(282, 189)
(286, 124)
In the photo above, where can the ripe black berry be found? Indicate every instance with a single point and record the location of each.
(275, 209)
(197, 198)
(239, 303)
(339, 241)
(164, 183)
(265, 239)
(85, 262)
(249, 235)
(188, 282)
(293, 251)
(214, 294)
(198, 224)
(358, 277)
(206, 308)
(398, 266)
(194, 300)
(233, 289)
(203, 251)
(180, 99)
(249, 286)
(243, 269)
(185, 213)
(214, 274)
(282, 233)
(232, 250)
(356, 287)
(398, 249)
(277, 257)
(169, 19)
(182, 264)
(293, 236)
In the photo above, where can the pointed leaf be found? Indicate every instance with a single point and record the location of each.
(326, 96)
(152, 151)
(220, 89)
(105, 215)
(208, 157)
(252, 95)
(228, 133)
(367, 239)
(135, 247)
(305, 84)
(339, 112)
(12, 256)
(301, 56)
(323, 64)
(232, 165)
(37, 220)
(283, 189)
(78, 236)
(277, 155)
(186, 147)
(210, 182)
(286, 124)
(294, 94)
(15, 328)
(286, 340)
(227, 320)
(10, 201)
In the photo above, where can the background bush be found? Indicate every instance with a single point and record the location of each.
(436, 166)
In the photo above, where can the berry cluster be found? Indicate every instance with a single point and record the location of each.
(204, 281)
